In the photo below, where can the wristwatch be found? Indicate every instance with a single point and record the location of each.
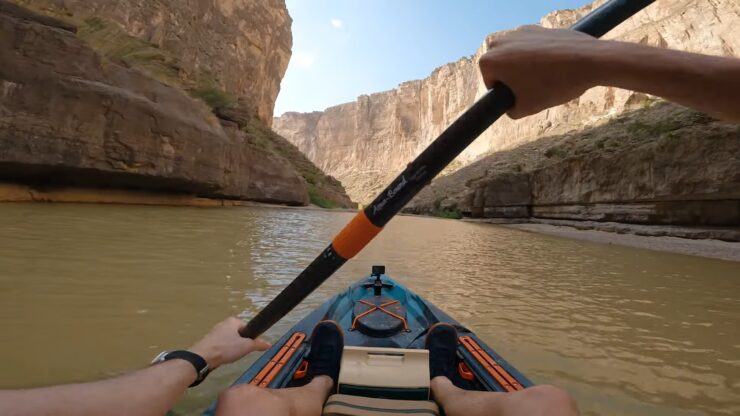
(200, 364)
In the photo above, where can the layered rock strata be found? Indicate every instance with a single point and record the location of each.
(241, 46)
(659, 165)
(367, 143)
(71, 118)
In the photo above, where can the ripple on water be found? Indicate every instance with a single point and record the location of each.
(626, 331)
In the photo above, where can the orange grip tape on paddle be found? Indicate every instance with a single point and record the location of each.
(355, 236)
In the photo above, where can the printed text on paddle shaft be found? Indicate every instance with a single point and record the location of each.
(396, 187)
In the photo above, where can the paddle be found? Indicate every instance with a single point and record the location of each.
(368, 223)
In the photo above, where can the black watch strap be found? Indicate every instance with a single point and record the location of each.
(200, 364)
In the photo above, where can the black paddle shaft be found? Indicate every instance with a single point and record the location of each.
(417, 175)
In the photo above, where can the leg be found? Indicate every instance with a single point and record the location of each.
(248, 400)
(327, 343)
(534, 401)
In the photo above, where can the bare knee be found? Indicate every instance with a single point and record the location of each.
(553, 397)
(240, 392)
(246, 400)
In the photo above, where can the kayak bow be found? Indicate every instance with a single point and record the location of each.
(385, 326)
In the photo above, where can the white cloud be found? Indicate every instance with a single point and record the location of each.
(337, 23)
(304, 60)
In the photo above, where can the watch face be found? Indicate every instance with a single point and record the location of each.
(160, 357)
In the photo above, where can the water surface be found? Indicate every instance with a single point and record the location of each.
(88, 291)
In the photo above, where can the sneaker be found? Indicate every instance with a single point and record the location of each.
(327, 344)
(442, 345)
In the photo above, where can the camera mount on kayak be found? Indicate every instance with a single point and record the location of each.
(378, 315)
(378, 285)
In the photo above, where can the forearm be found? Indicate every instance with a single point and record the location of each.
(710, 84)
(151, 391)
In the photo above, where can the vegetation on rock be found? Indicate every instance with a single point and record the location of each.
(659, 164)
(452, 214)
(323, 190)
(116, 46)
(213, 96)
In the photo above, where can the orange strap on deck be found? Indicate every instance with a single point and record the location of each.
(278, 361)
(381, 308)
(355, 236)
(493, 368)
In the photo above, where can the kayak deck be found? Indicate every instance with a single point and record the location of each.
(379, 312)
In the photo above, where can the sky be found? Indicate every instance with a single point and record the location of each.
(346, 48)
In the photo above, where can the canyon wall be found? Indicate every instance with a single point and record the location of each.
(71, 117)
(662, 164)
(366, 143)
(240, 46)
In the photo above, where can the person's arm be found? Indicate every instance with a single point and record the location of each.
(151, 391)
(548, 67)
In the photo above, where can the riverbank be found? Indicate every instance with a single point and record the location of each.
(25, 193)
(718, 243)
(713, 243)
(10, 193)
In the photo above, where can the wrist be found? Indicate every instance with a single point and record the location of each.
(183, 368)
(593, 62)
(212, 356)
(192, 360)
(617, 64)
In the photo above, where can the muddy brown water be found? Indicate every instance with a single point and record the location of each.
(88, 291)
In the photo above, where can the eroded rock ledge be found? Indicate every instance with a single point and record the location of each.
(662, 165)
(70, 118)
(242, 47)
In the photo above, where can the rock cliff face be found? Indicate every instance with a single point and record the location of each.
(368, 142)
(69, 117)
(365, 144)
(663, 164)
(242, 46)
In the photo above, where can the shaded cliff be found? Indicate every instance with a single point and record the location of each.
(70, 117)
(239, 46)
(367, 143)
(662, 164)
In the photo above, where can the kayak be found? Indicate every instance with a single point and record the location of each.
(384, 365)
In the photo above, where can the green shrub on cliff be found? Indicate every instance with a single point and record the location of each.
(323, 190)
(317, 199)
(215, 97)
(118, 46)
(452, 214)
(113, 43)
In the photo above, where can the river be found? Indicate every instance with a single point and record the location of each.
(88, 291)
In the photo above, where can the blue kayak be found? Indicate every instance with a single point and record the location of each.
(384, 326)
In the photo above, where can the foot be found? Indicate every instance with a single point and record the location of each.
(442, 345)
(327, 344)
